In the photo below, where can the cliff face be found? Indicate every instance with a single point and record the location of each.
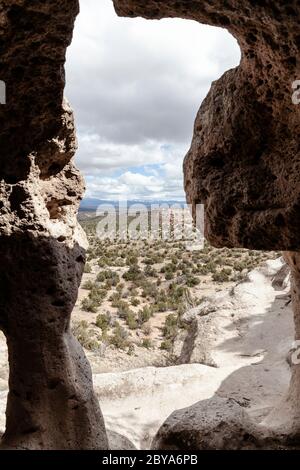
(51, 404)
(243, 165)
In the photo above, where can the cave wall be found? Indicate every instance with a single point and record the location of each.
(51, 403)
(243, 165)
(244, 162)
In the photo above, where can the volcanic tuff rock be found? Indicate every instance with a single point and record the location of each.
(245, 150)
(243, 165)
(51, 403)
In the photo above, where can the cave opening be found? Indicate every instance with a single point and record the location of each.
(135, 87)
(160, 321)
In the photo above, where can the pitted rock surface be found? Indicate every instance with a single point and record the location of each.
(51, 403)
(244, 161)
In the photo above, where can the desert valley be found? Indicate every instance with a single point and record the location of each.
(180, 326)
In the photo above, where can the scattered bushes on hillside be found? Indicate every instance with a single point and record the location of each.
(223, 275)
(89, 305)
(160, 278)
(95, 298)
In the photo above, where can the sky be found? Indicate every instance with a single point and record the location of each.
(135, 87)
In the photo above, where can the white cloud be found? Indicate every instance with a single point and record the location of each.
(136, 86)
(98, 155)
(131, 185)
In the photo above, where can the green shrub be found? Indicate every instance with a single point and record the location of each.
(111, 277)
(87, 268)
(222, 276)
(119, 339)
(149, 271)
(135, 302)
(115, 299)
(84, 335)
(240, 266)
(89, 305)
(133, 274)
(88, 285)
(166, 345)
(97, 295)
(147, 343)
(149, 289)
(181, 309)
(131, 321)
(103, 321)
(144, 315)
(211, 267)
(192, 281)
(171, 326)
(169, 276)
(123, 309)
(131, 260)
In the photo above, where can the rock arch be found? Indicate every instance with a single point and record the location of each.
(243, 164)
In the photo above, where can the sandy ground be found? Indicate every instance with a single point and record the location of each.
(254, 335)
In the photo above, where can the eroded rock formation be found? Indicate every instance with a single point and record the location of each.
(245, 150)
(286, 418)
(51, 403)
(244, 166)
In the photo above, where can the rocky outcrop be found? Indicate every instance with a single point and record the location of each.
(286, 417)
(210, 324)
(210, 425)
(245, 152)
(119, 442)
(195, 343)
(51, 403)
(243, 164)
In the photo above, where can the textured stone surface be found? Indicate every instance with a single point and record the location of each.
(119, 442)
(51, 403)
(209, 425)
(245, 149)
(244, 166)
(33, 41)
(217, 424)
(286, 417)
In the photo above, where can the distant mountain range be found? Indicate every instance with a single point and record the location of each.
(91, 204)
